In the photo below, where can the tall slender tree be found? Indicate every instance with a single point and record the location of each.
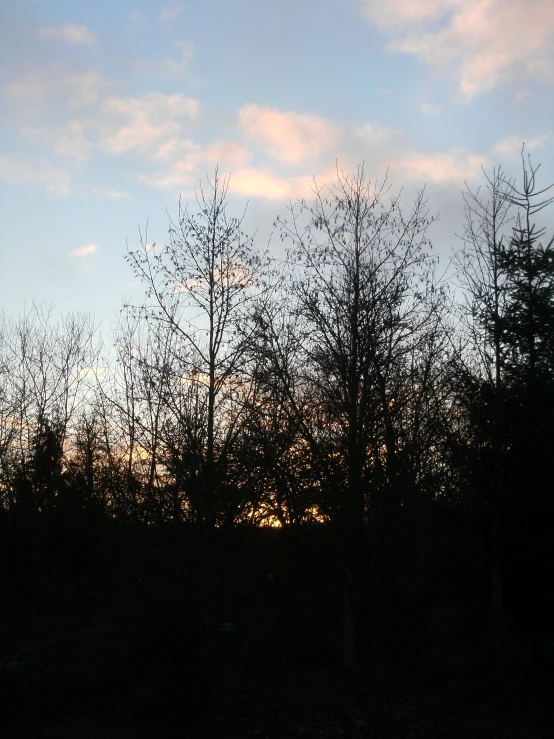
(360, 300)
(199, 287)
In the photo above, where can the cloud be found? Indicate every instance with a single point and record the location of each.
(68, 140)
(170, 11)
(226, 154)
(115, 194)
(84, 251)
(19, 171)
(485, 42)
(288, 136)
(376, 137)
(510, 147)
(430, 108)
(264, 183)
(84, 89)
(451, 168)
(178, 66)
(151, 125)
(28, 88)
(195, 160)
(72, 114)
(68, 32)
(397, 15)
(71, 90)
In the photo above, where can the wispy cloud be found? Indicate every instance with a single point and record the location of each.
(444, 168)
(67, 140)
(194, 160)
(69, 32)
(107, 193)
(19, 171)
(430, 108)
(178, 65)
(170, 11)
(511, 146)
(84, 251)
(83, 89)
(485, 42)
(150, 125)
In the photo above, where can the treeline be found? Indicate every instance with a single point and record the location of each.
(347, 384)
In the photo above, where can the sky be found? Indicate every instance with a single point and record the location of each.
(112, 111)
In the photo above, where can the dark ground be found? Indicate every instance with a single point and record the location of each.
(274, 675)
(474, 702)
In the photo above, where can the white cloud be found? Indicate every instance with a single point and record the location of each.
(377, 137)
(170, 11)
(83, 89)
(511, 147)
(115, 194)
(68, 141)
(185, 51)
(397, 15)
(288, 136)
(68, 32)
(19, 171)
(484, 41)
(84, 251)
(443, 168)
(430, 108)
(36, 91)
(29, 88)
(151, 125)
(193, 162)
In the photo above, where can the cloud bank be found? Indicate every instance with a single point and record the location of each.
(484, 42)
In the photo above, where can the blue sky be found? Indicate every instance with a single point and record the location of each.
(110, 111)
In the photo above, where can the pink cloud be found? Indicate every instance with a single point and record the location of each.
(263, 183)
(226, 153)
(453, 167)
(484, 41)
(84, 251)
(288, 136)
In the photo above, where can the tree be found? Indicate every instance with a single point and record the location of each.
(505, 380)
(199, 287)
(482, 277)
(529, 340)
(361, 299)
(45, 385)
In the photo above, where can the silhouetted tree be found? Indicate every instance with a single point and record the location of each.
(529, 339)
(360, 301)
(198, 287)
(481, 382)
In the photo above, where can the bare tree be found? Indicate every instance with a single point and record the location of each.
(362, 300)
(46, 383)
(199, 287)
